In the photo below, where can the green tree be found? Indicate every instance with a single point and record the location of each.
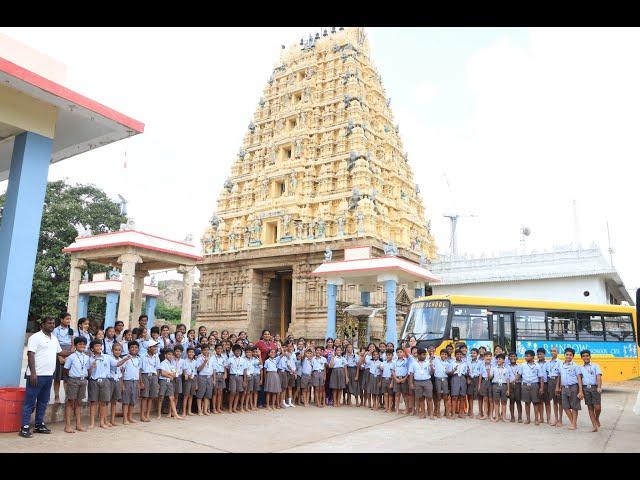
(170, 314)
(66, 205)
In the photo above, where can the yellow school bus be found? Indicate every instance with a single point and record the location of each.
(608, 331)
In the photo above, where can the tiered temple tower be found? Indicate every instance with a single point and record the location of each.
(321, 166)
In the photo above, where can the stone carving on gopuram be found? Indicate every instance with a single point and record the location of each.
(321, 166)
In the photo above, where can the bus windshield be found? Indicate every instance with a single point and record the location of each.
(427, 320)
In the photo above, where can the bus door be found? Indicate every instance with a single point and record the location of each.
(503, 334)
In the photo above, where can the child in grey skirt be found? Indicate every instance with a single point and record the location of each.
(373, 384)
(272, 380)
(362, 375)
(189, 383)
(337, 381)
(352, 384)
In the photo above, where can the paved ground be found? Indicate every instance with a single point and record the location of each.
(350, 429)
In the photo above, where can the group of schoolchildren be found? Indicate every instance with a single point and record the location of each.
(157, 367)
(459, 379)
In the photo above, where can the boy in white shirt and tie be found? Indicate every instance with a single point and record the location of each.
(500, 389)
(131, 378)
(237, 366)
(571, 387)
(168, 370)
(553, 370)
(420, 382)
(591, 376)
(532, 386)
(76, 366)
(460, 369)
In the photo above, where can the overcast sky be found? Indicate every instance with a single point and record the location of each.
(521, 122)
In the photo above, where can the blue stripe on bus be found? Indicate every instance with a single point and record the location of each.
(610, 349)
(488, 344)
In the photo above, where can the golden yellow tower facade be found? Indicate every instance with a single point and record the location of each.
(321, 167)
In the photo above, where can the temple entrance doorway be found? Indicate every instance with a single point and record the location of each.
(278, 315)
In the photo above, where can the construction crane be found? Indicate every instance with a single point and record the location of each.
(454, 217)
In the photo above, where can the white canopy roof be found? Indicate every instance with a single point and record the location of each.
(81, 123)
(367, 270)
(144, 242)
(96, 288)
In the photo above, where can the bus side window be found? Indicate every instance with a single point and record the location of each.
(562, 325)
(472, 323)
(590, 327)
(462, 323)
(495, 330)
(530, 324)
(618, 328)
(479, 328)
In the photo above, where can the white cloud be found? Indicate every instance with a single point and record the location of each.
(425, 92)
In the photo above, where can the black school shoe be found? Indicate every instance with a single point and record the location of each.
(41, 428)
(25, 432)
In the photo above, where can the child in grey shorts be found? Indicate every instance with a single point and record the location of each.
(168, 373)
(75, 384)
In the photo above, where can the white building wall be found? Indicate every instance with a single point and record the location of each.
(554, 289)
(613, 290)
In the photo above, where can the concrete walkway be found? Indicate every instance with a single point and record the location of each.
(350, 429)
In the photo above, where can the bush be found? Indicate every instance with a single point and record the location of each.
(170, 314)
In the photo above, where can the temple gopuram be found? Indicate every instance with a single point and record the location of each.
(322, 168)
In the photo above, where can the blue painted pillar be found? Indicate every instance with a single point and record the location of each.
(332, 291)
(112, 306)
(365, 298)
(150, 303)
(19, 233)
(83, 305)
(390, 287)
